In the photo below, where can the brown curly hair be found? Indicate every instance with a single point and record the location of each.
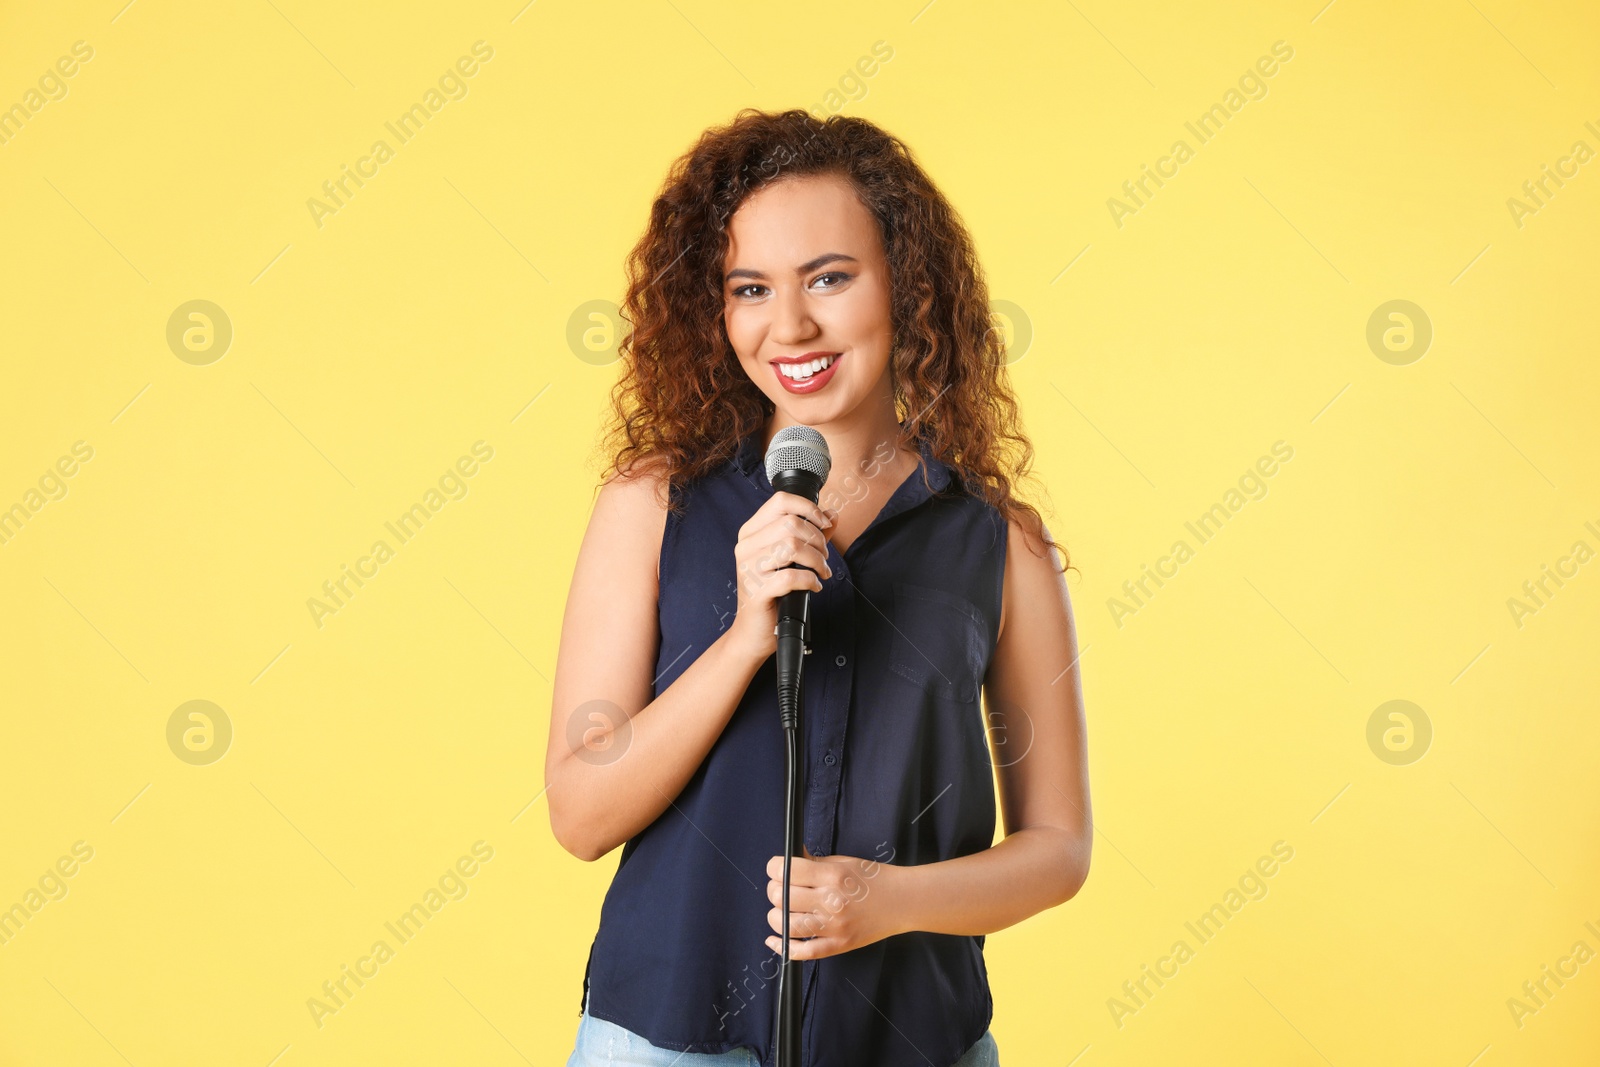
(683, 401)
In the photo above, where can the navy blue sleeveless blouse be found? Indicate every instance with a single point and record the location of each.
(895, 767)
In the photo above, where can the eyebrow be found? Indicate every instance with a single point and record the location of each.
(804, 268)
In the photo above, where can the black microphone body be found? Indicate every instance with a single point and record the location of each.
(794, 611)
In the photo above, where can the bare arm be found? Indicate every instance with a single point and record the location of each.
(616, 758)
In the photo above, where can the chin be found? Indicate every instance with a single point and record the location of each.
(820, 408)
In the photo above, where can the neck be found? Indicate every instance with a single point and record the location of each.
(865, 439)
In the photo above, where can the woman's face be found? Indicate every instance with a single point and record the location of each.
(806, 279)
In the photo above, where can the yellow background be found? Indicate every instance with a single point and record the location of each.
(432, 311)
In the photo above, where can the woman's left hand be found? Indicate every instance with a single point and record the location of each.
(837, 903)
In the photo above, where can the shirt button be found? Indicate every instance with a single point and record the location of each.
(828, 759)
(838, 661)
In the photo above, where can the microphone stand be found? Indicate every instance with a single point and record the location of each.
(800, 471)
(794, 641)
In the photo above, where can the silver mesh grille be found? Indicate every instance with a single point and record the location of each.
(798, 448)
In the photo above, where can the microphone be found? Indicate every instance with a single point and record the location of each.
(797, 462)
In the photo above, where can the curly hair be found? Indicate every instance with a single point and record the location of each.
(682, 401)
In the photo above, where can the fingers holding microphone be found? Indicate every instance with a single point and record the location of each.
(782, 548)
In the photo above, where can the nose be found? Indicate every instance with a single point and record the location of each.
(792, 322)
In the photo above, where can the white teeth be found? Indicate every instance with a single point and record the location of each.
(802, 371)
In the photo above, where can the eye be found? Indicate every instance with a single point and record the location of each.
(741, 290)
(841, 275)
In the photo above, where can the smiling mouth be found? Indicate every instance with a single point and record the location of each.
(803, 372)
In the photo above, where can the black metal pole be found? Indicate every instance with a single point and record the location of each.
(791, 663)
(789, 977)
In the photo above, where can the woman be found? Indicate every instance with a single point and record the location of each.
(798, 271)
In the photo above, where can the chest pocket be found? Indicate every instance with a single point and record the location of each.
(938, 642)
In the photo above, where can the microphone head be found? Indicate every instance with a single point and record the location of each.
(798, 448)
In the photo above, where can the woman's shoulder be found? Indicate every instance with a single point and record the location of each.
(1032, 561)
(630, 510)
(640, 481)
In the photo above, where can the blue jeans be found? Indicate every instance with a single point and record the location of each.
(605, 1044)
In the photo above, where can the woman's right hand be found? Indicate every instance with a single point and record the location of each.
(786, 529)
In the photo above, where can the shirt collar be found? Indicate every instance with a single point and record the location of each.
(751, 461)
